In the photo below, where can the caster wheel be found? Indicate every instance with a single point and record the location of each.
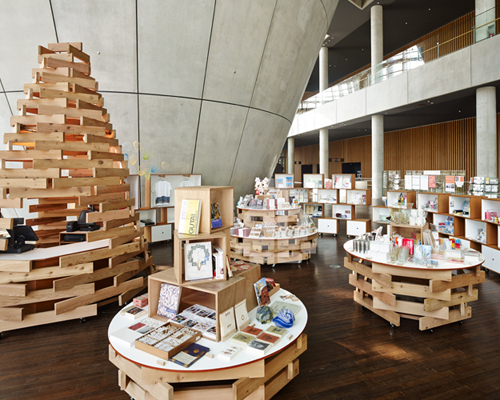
(334, 235)
(393, 326)
(300, 261)
(431, 330)
(274, 265)
(363, 307)
(83, 320)
(459, 323)
(1, 335)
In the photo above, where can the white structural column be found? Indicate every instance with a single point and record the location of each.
(377, 55)
(323, 133)
(291, 155)
(486, 132)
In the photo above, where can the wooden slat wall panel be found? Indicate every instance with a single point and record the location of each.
(445, 146)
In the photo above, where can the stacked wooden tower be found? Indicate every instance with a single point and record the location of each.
(64, 157)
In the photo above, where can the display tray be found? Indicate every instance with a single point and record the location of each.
(276, 238)
(268, 209)
(441, 266)
(205, 363)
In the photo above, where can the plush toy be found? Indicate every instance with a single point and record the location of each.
(258, 187)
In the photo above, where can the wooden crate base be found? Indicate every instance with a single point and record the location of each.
(261, 379)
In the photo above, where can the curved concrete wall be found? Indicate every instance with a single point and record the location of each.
(209, 86)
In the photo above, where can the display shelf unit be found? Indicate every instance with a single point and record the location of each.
(457, 202)
(328, 225)
(216, 295)
(393, 196)
(491, 258)
(302, 195)
(313, 181)
(223, 195)
(433, 296)
(490, 210)
(357, 227)
(489, 232)
(283, 181)
(433, 202)
(406, 230)
(271, 250)
(344, 181)
(328, 196)
(218, 239)
(448, 224)
(380, 215)
(314, 210)
(359, 197)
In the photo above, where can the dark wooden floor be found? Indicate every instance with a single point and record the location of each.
(352, 354)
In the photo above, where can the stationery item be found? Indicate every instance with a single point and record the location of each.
(265, 337)
(133, 312)
(141, 301)
(262, 292)
(216, 221)
(242, 339)
(274, 330)
(259, 347)
(229, 352)
(190, 355)
(198, 261)
(227, 324)
(168, 303)
(241, 315)
(189, 221)
(252, 330)
(277, 306)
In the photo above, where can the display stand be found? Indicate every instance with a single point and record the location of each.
(63, 156)
(271, 250)
(434, 296)
(246, 376)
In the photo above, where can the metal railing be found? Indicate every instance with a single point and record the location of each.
(459, 36)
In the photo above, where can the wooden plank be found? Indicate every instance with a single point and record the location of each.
(15, 265)
(38, 296)
(126, 275)
(64, 46)
(94, 255)
(365, 286)
(72, 163)
(37, 86)
(11, 289)
(29, 174)
(86, 200)
(44, 221)
(58, 94)
(108, 215)
(390, 316)
(6, 223)
(123, 172)
(455, 316)
(45, 273)
(112, 189)
(69, 111)
(115, 205)
(30, 137)
(99, 154)
(413, 290)
(11, 203)
(24, 183)
(49, 193)
(36, 102)
(364, 270)
(34, 119)
(117, 241)
(53, 63)
(119, 222)
(89, 138)
(112, 233)
(68, 283)
(18, 155)
(70, 129)
(412, 308)
(71, 304)
(84, 182)
(457, 281)
(78, 53)
(456, 299)
(88, 82)
(70, 146)
(130, 294)
(412, 273)
(49, 317)
(117, 260)
(11, 314)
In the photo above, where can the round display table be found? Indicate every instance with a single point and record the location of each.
(145, 376)
(271, 250)
(435, 295)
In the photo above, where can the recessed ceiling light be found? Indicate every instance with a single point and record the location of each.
(329, 65)
(406, 23)
(459, 110)
(429, 9)
(346, 59)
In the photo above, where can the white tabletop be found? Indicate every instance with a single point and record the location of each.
(276, 238)
(205, 363)
(44, 253)
(442, 264)
(267, 209)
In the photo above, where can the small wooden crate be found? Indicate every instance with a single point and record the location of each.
(219, 239)
(167, 354)
(217, 295)
(223, 195)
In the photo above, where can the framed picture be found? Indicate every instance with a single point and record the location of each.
(283, 181)
(198, 261)
(313, 181)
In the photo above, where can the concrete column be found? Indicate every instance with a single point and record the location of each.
(485, 19)
(291, 156)
(323, 152)
(376, 35)
(377, 158)
(323, 133)
(483, 5)
(323, 68)
(486, 132)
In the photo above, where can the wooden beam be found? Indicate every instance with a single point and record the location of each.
(86, 200)
(72, 163)
(45, 273)
(18, 155)
(123, 172)
(87, 82)
(6, 223)
(108, 215)
(15, 265)
(71, 129)
(38, 296)
(48, 193)
(94, 255)
(456, 299)
(84, 182)
(112, 233)
(29, 174)
(457, 281)
(112, 189)
(71, 146)
(57, 94)
(11, 289)
(71, 304)
(64, 46)
(116, 205)
(99, 154)
(17, 138)
(53, 63)
(24, 183)
(119, 222)
(11, 314)
(69, 111)
(365, 286)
